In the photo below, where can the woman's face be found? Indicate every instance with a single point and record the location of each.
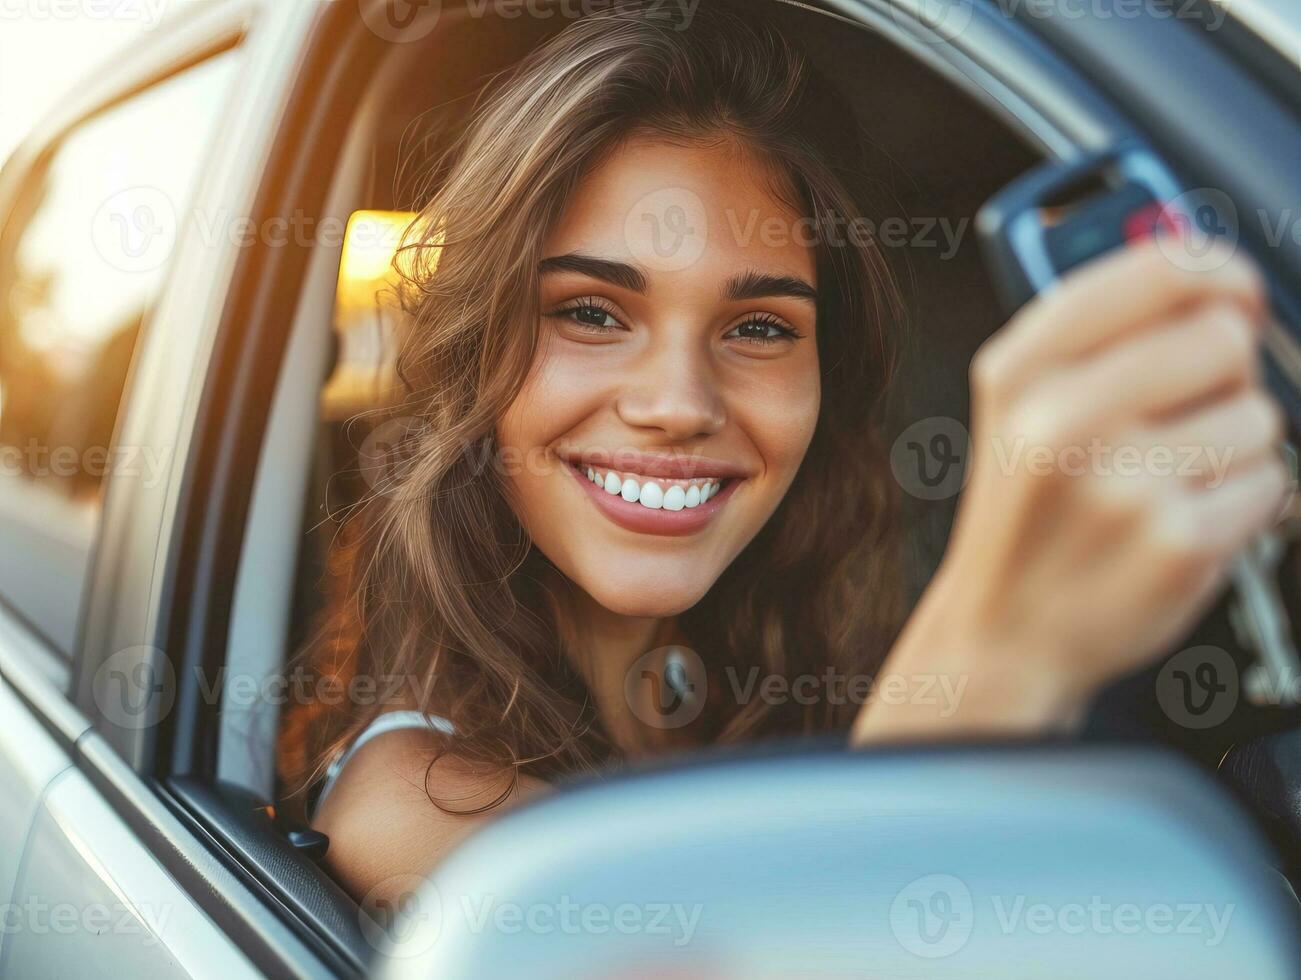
(676, 386)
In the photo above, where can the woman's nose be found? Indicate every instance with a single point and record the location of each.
(675, 394)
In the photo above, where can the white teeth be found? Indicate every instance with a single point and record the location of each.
(653, 497)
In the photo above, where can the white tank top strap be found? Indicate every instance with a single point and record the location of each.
(390, 721)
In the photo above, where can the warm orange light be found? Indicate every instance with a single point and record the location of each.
(367, 316)
(370, 245)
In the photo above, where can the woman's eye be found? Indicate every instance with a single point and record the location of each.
(592, 316)
(589, 318)
(762, 332)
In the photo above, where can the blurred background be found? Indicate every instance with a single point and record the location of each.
(46, 46)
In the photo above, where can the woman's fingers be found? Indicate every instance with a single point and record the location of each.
(1210, 442)
(1112, 297)
(1219, 521)
(1210, 351)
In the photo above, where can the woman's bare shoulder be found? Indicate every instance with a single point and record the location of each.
(381, 817)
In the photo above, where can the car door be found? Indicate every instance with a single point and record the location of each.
(111, 215)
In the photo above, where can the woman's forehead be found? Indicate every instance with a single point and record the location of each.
(676, 208)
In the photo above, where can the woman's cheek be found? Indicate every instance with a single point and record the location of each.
(783, 423)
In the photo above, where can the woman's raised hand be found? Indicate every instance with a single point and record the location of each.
(1123, 450)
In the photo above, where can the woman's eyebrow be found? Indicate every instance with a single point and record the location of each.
(757, 285)
(617, 273)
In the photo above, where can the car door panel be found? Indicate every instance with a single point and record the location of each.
(90, 893)
(29, 762)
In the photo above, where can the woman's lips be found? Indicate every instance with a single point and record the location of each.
(633, 516)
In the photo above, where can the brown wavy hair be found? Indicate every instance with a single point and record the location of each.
(432, 577)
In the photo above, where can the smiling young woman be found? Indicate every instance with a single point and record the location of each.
(681, 420)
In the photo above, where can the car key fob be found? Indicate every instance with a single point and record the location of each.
(1061, 215)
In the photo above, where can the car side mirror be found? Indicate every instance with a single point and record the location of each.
(1046, 860)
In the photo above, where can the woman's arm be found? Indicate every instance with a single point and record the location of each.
(1123, 451)
(385, 832)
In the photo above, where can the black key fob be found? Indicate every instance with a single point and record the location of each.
(1060, 215)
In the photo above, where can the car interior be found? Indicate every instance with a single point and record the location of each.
(322, 388)
(338, 359)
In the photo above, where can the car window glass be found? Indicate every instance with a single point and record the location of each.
(82, 259)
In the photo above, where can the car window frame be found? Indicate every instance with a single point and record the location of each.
(33, 672)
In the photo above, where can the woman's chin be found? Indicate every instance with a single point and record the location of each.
(646, 599)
